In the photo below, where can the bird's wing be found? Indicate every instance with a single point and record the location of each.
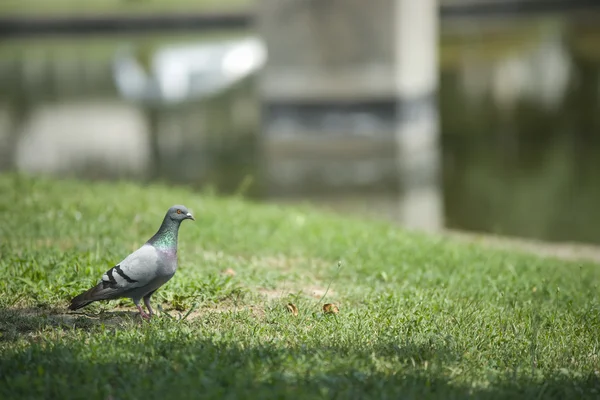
(136, 270)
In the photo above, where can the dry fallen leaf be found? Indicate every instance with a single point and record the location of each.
(330, 309)
(292, 308)
(229, 272)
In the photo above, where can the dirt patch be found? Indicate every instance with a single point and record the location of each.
(284, 263)
(311, 291)
(272, 294)
(255, 310)
(320, 292)
(228, 272)
(278, 261)
(63, 244)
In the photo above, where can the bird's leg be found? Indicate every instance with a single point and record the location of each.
(142, 313)
(141, 310)
(147, 302)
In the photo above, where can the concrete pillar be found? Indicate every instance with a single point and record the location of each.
(417, 133)
(348, 97)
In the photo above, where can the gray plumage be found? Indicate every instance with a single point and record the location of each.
(142, 272)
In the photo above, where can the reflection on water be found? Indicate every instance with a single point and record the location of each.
(520, 123)
(520, 134)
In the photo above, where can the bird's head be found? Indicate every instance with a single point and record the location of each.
(179, 213)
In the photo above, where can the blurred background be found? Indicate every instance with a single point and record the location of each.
(436, 114)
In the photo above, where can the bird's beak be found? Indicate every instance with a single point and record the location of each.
(190, 216)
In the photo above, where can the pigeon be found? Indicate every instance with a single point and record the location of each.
(142, 272)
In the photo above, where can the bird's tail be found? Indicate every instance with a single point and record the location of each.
(83, 299)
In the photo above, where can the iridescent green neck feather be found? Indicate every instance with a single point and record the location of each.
(166, 237)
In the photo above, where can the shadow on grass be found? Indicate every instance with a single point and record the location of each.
(17, 322)
(186, 365)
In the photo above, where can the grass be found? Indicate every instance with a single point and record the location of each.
(420, 316)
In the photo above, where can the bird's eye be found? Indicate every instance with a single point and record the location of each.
(178, 211)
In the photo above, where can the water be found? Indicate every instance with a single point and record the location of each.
(520, 122)
(521, 132)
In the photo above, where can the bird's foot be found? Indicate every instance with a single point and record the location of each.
(143, 314)
(151, 312)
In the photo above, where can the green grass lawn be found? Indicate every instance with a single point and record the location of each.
(419, 316)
